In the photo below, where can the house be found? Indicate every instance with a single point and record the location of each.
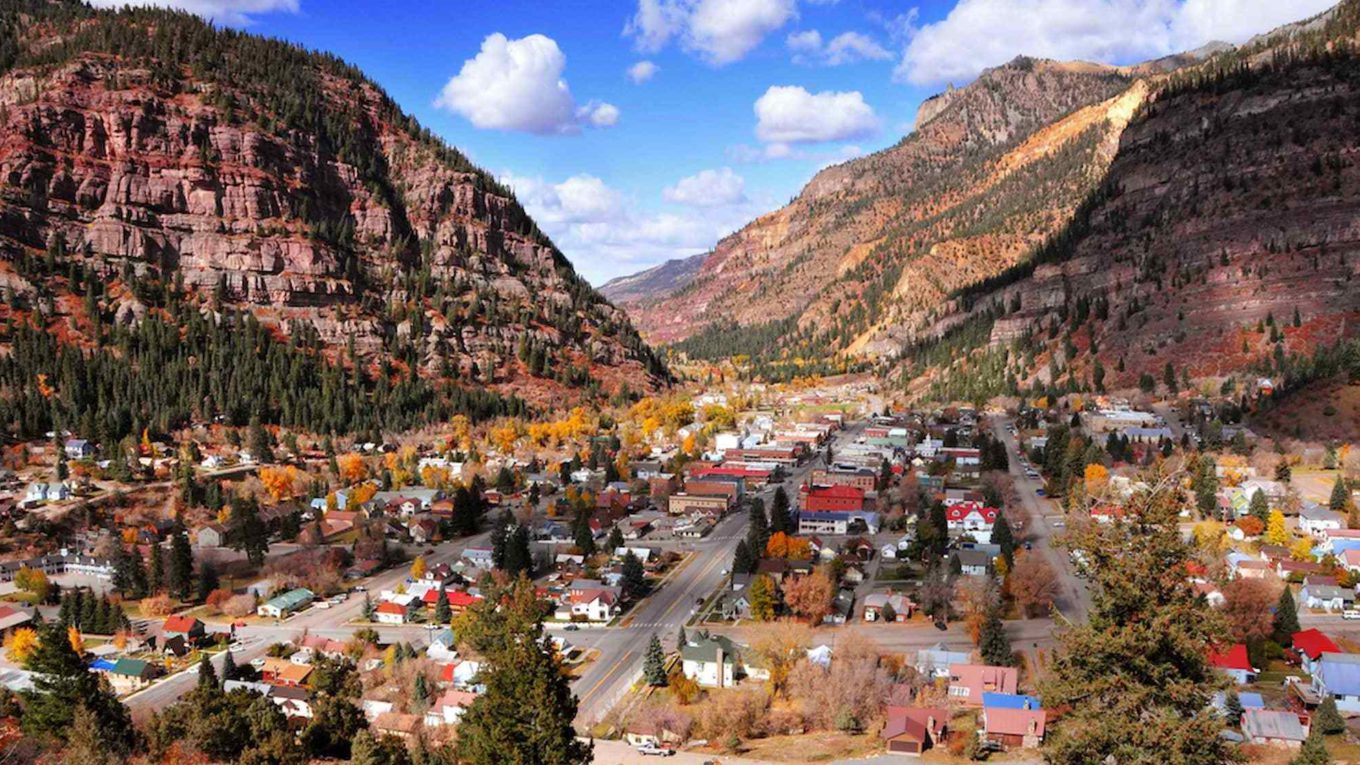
(595, 604)
(47, 492)
(1273, 726)
(278, 671)
(973, 562)
(128, 675)
(186, 627)
(1309, 645)
(967, 682)
(443, 646)
(837, 522)
(1318, 520)
(79, 449)
(833, 499)
(479, 557)
(1011, 728)
(403, 726)
(12, 618)
(889, 606)
(935, 661)
(971, 518)
(285, 604)
(913, 730)
(1338, 675)
(392, 612)
(294, 702)
(1234, 663)
(374, 708)
(212, 535)
(448, 709)
(1326, 597)
(328, 647)
(710, 661)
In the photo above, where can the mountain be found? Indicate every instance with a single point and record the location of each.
(1054, 223)
(158, 172)
(1222, 244)
(988, 172)
(657, 280)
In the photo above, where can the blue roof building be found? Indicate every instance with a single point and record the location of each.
(1010, 701)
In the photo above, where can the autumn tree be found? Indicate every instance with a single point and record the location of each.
(810, 596)
(1147, 620)
(1248, 606)
(1276, 533)
(780, 646)
(763, 598)
(1033, 583)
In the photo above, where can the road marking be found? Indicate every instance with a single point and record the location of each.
(623, 663)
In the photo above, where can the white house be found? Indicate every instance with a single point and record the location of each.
(1338, 675)
(710, 661)
(1318, 520)
(47, 492)
(448, 709)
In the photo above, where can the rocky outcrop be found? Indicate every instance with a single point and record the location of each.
(136, 167)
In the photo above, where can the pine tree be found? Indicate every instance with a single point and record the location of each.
(993, 644)
(442, 612)
(207, 676)
(1286, 619)
(654, 665)
(615, 540)
(1340, 495)
(585, 537)
(1327, 719)
(229, 671)
(1259, 507)
(1232, 708)
(519, 558)
(500, 537)
(85, 744)
(758, 533)
(634, 578)
(61, 684)
(181, 573)
(1314, 751)
(527, 710)
(1003, 537)
(155, 577)
(779, 512)
(742, 560)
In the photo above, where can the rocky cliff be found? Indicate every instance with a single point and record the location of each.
(869, 242)
(145, 147)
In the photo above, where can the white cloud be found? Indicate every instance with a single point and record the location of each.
(598, 114)
(981, 33)
(518, 85)
(232, 12)
(605, 234)
(844, 48)
(642, 71)
(718, 31)
(789, 114)
(708, 188)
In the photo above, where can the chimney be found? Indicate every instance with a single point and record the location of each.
(720, 666)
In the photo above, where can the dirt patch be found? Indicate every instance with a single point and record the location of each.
(1328, 410)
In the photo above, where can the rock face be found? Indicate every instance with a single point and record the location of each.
(293, 187)
(962, 196)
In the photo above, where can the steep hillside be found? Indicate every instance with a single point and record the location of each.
(156, 171)
(991, 170)
(657, 280)
(1222, 245)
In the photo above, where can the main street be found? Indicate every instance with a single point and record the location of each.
(621, 648)
(1072, 599)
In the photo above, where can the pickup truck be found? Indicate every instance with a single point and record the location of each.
(653, 749)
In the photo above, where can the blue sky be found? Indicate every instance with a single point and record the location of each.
(733, 104)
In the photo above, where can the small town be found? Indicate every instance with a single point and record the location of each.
(719, 382)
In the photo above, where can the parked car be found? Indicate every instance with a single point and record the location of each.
(653, 749)
(572, 627)
(1350, 613)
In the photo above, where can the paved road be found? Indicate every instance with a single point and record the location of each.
(1073, 599)
(621, 649)
(910, 637)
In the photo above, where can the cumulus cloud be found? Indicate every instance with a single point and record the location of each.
(981, 33)
(236, 13)
(718, 31)
(518, 85)
(844, 48)
(606, 234)
(642, 71)
(789, 114)
(708, 188)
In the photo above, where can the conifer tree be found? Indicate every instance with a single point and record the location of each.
(742, 560)
(654, 665)
(1232, 708)
(1286, 620)
(181, 571)
(155, 576)
(442, 612)
(1003, 537)
(1327, 718)
(207, 676)
(1340, 495)
(993, 644)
